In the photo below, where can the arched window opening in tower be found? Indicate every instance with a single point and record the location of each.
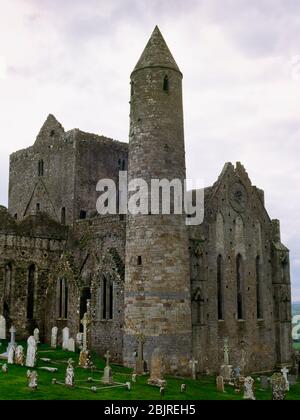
(259, 305)
(31, 292)
(166, 84)
(220, 287)
(63, 298)
(240, 286)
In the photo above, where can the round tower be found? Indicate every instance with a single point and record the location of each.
(157, 281)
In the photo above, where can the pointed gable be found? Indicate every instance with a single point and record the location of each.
(50, 131)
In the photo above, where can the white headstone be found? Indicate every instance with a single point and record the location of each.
(71, 345)
(36, 334)
(69, 380)
(2, 328)
(248, 389)
(31, 352)
(11, 355)
(32, 380)
(65, 338)
(54, 332)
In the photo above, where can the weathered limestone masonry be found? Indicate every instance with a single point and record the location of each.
(184, 288)
(157, 282)
(59, 173)
(237, 225)
(29, 251)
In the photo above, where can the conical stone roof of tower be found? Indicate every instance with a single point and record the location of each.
(156, 53)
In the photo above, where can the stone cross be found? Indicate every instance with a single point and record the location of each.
(36, 334)
(193, 364)
(139, 368)
(226, 351)
(12, 336)
(285, 372)
(107, 357)
(85, 322)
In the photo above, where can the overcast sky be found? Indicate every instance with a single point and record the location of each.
(241, 65)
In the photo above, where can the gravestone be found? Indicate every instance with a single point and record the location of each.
(65, 338)
(79, 340)
(285, 372)
(54, 332)
(12, 337)
(85, 358)
(139, 363)
(19, 356)
(157, 368)
(193, 365)
(69, 380)
(248, 388)
(239, 384)
(107, 377)
(278, 387)
(31, 352)
(226, 368)
(32, 380)
(36, 334)
(11, 355)
(220, 384)
(265, 382)
(2, 328)
(292, 379)
(71, 346)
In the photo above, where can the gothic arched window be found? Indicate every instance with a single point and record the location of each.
(107, 298)
(63, 298)
(31, 292)
(259, 305)
(220, 287)
(240, 286)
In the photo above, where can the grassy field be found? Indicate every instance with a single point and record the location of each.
(13, 385)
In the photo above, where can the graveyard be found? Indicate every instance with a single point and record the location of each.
(14, 383)
(69, 370)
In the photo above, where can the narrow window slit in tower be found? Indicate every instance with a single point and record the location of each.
(166, 84)
(139, 260)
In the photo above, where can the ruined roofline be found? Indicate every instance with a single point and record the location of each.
(96, 137)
